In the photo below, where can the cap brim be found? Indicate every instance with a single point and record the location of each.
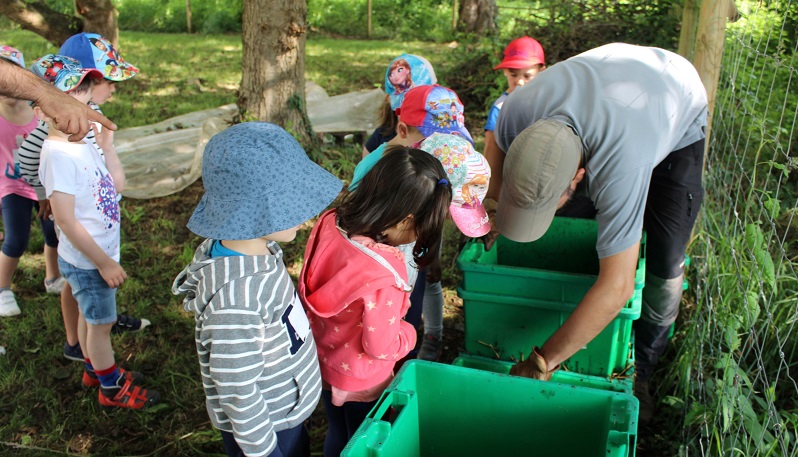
(471, 220)
(516, 64)
(524, 225)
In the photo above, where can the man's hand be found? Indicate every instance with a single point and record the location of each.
(113, 273)
(70, 115)
(489, 239)
(534, 367)
(44, 209)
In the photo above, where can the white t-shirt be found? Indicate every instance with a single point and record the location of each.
(78, 169)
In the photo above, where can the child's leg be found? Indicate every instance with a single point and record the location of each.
(97, 305)
(342, 422)
(433, 309)
(432, 344)
(70, 313)
(53, 281)
(16, 219)
(98, 347)
(337, 435)
(294, 442)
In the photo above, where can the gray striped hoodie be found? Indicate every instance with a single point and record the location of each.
(258, 360)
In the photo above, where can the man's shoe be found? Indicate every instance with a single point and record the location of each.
(646, 402)
(431, 348)
(125, 323)
(90, 378)
(73, 352)
(8, 304)
(55, 286)
(127, 395)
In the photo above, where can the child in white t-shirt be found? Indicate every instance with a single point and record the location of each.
(83, 190)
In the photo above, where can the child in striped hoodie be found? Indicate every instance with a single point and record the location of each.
(256, 352)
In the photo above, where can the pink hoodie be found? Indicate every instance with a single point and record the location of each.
(355, 307)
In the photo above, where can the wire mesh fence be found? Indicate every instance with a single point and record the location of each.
(737, 365)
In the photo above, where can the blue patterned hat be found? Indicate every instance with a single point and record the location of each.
(62, 72)
(258, 180)
(94, 51)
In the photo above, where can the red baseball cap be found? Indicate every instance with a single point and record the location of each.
(521, 53)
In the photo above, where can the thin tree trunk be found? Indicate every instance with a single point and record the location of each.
(188, 15)
(478, 16)
(273, 65)
(42, 20)
(100, 16)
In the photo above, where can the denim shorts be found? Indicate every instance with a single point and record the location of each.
(96, 301)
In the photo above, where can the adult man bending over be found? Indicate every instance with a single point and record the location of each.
(628, 123)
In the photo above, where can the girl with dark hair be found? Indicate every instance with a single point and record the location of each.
(360, 263)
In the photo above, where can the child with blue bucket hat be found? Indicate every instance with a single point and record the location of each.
(257, 355)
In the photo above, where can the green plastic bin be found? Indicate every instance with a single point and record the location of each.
(516, 295)
(439, 410)
(506, 328)
(623, 384)
(561, 266)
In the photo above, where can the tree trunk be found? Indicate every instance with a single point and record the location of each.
(98, 16)
(42, 20)
(478, 16)
(273, 65)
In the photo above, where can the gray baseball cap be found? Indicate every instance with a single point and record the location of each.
(538, 168)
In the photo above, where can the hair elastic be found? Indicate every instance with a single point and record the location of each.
(443, 181)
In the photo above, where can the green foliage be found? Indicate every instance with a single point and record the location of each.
(425, 20)
(207, 16)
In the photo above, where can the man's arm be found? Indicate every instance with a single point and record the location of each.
(69, 115)
(495, 158)
(602, 303)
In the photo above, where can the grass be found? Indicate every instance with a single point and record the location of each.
(43, 410)
(181, 73)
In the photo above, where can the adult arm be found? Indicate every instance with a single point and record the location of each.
(495, 158)
(69, 115)
(602, 303)
(63, 207)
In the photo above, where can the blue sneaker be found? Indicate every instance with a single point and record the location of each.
(125, 323)
(73, 352)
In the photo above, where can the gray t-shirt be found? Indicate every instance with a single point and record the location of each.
(631, 106)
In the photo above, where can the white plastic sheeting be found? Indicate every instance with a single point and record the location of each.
(165, 158)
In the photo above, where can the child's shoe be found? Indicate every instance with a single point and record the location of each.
(90, 378)
(73, 353)
(127, 395)
(125, 323)
(8, 304)
(431, 348)
(54, 286)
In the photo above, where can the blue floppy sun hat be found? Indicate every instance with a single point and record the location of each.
(258, 180)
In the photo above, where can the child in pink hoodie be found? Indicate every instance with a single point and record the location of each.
(355, 281)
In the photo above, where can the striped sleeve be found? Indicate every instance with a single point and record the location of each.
(236, 339)
(30, 151)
